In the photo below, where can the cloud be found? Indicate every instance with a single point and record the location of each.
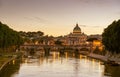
(28, 18)
(83, 25)
(95, 26)
(96, 1)
(40, 19)
(89, 26)
(36, 19)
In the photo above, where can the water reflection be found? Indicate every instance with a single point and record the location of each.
(57, 64)
(113, 71)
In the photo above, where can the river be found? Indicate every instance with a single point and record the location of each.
(57, 65)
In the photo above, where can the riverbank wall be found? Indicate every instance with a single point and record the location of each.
(5, 63)
(18, 55)
(101, 57)
(96, 56)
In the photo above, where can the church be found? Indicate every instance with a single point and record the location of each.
(76, 37)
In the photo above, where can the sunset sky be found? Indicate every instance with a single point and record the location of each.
(58, 17)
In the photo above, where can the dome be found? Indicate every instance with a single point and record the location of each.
(77, 29)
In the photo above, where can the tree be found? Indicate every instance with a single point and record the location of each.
(111, 37)
(40, 33)
(91, 39)
(58, 42)
(9, 37)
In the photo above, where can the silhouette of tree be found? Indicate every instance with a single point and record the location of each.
(9, 37)
(111, 37)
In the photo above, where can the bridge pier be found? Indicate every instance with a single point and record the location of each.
(47, 51)
(61, 51)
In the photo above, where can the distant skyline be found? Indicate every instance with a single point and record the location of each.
(59, 17)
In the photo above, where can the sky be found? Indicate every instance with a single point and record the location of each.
(59, 17)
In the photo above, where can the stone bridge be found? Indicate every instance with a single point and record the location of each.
(37, 49)
(55, 47)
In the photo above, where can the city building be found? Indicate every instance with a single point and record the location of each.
(97, 41)
(97, 36)
(77, 37)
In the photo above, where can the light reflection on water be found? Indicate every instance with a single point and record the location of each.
(57, 65)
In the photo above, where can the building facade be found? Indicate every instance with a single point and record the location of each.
(76, 37)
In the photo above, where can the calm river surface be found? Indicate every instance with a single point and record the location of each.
(56, 65)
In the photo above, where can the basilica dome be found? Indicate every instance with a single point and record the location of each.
(77, 29)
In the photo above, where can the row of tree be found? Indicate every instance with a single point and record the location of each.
(9, 37)
(111, 37)
(31, 34)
